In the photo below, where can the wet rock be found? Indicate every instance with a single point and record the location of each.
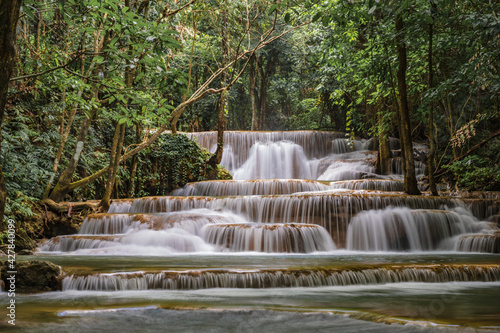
(26, 252)
(33, 276)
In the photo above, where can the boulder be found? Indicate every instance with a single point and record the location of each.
(32, 276)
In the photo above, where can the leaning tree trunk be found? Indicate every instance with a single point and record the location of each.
(9, 14)
(114, 162)
(410, 180)
(62, 186)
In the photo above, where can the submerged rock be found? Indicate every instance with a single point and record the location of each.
(33, 276)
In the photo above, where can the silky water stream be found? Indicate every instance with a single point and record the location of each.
(306, 238)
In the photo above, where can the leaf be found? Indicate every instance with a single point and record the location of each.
(325, 20)
(316, 16)
(372, 9)
(428, 19)
(28, 11)
(61, 5)
(273, 8)
(122, 121)
(287, 17)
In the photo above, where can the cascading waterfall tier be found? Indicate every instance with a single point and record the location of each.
(386, 185)
(332, 210)
(153, 233)
(484, 243)
(403, 229)
(191, 220)
(316, 144)
(276, 278)
(275, 160)
(219, 188)
(346, 170)
(264, 237)
(396, 165)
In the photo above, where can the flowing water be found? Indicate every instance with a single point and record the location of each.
(306, 238)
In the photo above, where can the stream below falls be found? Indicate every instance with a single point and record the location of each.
(305, 238)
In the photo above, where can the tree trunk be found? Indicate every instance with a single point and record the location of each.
(9, 14)
(252, 77)
(221, 119)
(64, 138)
(432, 125)
(410, 180)
(135, 161)
(62, 188)
(384, 150)
(114, 163)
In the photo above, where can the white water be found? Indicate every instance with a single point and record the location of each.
(403, 229)
(277, 160)
(265, 237)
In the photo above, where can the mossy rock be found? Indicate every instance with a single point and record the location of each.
(33, 276)
(223, 174)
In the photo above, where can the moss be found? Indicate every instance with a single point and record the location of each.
(223, 174)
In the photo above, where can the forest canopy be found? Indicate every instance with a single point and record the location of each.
(94, 84)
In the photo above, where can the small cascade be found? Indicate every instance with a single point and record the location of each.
(159, 204)
(277, 160)
(402, 229)
(386, 185)
(72, 243)
(219, 188)
(159, 232)
(346, 170)
(396, 166)
(263, 237)
(151, 242)
(191, 220)
(107, 224)
(276, 278)
(485, 243)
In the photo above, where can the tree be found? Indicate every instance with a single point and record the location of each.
(9, 14)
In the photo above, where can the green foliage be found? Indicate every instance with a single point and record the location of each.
(307, 116)
(170, 163)
(475, 173)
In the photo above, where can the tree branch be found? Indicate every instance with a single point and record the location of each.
(442, 171)
(45, 72)
(165, 14)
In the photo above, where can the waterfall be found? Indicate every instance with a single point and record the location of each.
(238, 144)
(396, 166)
(485, 243)
(263, 237)
(275, 278)
(385, 185)
(402, 229)
(348, 170)
(219, 188)
(277, 160)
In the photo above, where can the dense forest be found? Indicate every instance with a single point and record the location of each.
(93, 92)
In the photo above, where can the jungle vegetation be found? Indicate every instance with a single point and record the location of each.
(88, 89)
